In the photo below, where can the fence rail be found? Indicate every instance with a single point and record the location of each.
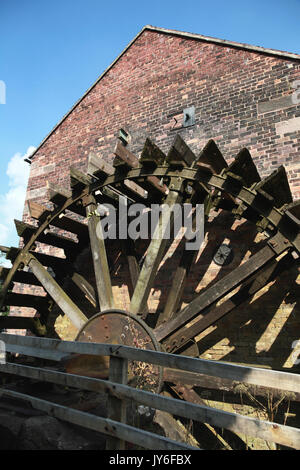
(118, 391)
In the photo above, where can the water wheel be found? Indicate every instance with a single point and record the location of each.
(116, 290)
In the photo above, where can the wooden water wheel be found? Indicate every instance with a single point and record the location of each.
(108, 288)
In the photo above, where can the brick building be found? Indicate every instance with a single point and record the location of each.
(238, 95)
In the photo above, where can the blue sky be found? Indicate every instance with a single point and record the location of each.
(52, 51)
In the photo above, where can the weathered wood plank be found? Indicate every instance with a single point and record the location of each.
(11, 252)
(178, 283)
(277, 186)
(252, 375)
(78, 179)
(70, 225)
(180, 153)
(294, 209)
(204, 381)
(37, 211)
(132, 190)
(124, 155)
(281, 434)
(98, 167)
(58, 195)
(61, 265)
(121, 431)
(34, 352)
(27, 231)
(100, 261)
(116, 408)
(244, 166)
(211, 155)
(151, 155)
(174, 428)
(151, 183)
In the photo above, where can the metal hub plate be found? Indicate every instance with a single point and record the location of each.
(118, 327)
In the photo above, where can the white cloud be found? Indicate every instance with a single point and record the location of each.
(12, 202)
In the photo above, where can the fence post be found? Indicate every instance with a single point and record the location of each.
(118, 372)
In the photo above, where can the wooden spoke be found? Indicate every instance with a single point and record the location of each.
(178, 283)
(133, 265)
(189, 395)
(154, 255)
(177, 287)
(246, 291)
(86, 288)
(57, 293)
(218, 290)
(102, 274)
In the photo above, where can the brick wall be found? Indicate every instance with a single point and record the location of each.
(241, 99)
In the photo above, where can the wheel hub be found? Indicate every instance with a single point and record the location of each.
(123, 328)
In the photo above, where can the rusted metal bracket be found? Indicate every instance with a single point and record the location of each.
(279, 243)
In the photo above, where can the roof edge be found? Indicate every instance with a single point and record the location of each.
(223, 42)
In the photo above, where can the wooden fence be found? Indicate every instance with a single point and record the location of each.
(119, 392)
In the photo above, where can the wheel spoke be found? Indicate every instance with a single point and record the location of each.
(86, 288)
(218, 290)
(133, 265)
(177, 287)
(56, 292)
(179, 280)
(154, 255)
(102, 274)
(247, 290)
